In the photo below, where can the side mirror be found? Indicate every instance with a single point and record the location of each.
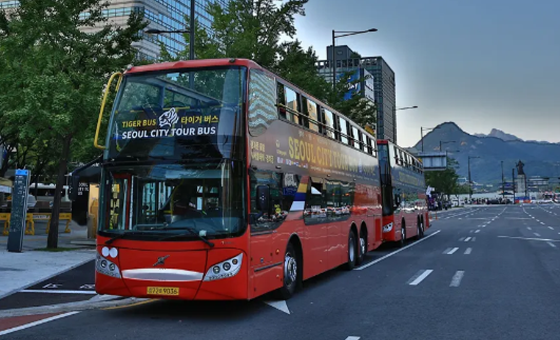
(263, 198)
(74, 187)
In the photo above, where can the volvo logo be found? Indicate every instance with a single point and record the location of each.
(161, 261)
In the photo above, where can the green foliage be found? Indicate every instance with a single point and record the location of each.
(444, 181)
(53, 73)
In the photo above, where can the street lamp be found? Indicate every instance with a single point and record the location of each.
(446, 142)
(341, 34)
(406, 108)
(470, 181)
(422, 129)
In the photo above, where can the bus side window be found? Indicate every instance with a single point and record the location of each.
(262, 102)
(313, 116)
(281, 101)
(343, 128)
(329, 123)
(273, 191)
(315, 203)
(304, 119)
(292, 102)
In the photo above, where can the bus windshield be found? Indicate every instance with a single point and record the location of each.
(172, 198)
(178, 114)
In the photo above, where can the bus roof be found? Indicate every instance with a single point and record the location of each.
(182, 64)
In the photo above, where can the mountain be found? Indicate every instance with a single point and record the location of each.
(540, 158)
(499, 134)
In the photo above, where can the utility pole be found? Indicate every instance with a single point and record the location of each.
(503, 184)
(513, 183)
(422, 137)
(470, 181)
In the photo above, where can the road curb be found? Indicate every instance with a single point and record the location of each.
(46, 278)
(68, 307)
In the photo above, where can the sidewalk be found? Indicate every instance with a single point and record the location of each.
(21, 270)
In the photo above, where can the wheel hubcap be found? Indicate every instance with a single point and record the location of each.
(363, 245)
(351, 250)
(290, 269)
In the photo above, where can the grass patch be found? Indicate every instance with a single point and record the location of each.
(56, 250)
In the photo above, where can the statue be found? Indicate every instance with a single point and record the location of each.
(520, 168)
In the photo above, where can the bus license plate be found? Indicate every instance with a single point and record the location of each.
(163, 291)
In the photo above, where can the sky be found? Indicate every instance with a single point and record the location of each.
(482, 64)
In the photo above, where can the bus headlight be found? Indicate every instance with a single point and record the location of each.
(230, 268)
(106, 267)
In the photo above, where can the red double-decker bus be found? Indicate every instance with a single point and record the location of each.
(222, 181)
(405, 209)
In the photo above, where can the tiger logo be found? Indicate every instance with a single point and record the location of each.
(168, 118)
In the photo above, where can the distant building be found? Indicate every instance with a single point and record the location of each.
(162, 14)
(380, 88)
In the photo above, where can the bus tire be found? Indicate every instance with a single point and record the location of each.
(420, 229)
(291, 273)
(363, 246)
(352, 250)
(403, 234)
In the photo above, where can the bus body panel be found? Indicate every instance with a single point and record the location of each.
(315, 160)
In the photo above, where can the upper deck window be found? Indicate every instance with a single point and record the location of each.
(329, 123)
(343, 130)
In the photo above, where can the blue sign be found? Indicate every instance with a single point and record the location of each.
(354, 86)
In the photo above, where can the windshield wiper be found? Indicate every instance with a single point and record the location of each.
(114, 238)
(192, 231)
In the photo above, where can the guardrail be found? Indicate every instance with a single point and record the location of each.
(30, 222)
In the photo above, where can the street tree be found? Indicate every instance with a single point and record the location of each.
(53, 72)
(444, 181)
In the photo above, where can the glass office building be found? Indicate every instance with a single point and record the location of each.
(162, 14)
(384, 87)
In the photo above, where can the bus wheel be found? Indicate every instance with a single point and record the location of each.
(420, 230)
(290, 273)
(352, 251)
(363, 247)
(403, 234)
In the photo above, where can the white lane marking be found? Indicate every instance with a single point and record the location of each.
(551, 244)
(468, 251)
(446, 251)
(460, 218)
(550, 228)
(461, 239)
(472, 231)
(36, 323)
(530, 238)
(477, 231)
(452, 251)
(281, 305)
(537, 234)
(456, 280)
(467, 239)
(533, 217)
(419, 277)
(353, 338)
(542, 223)
(52, 291)
(367, 265)
(529, 228)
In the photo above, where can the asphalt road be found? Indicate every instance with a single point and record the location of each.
(77, 284)
(490, 272)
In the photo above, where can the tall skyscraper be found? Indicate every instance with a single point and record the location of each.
(162, 14)
(383, 84)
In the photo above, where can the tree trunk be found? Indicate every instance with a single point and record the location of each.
(52, 241)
